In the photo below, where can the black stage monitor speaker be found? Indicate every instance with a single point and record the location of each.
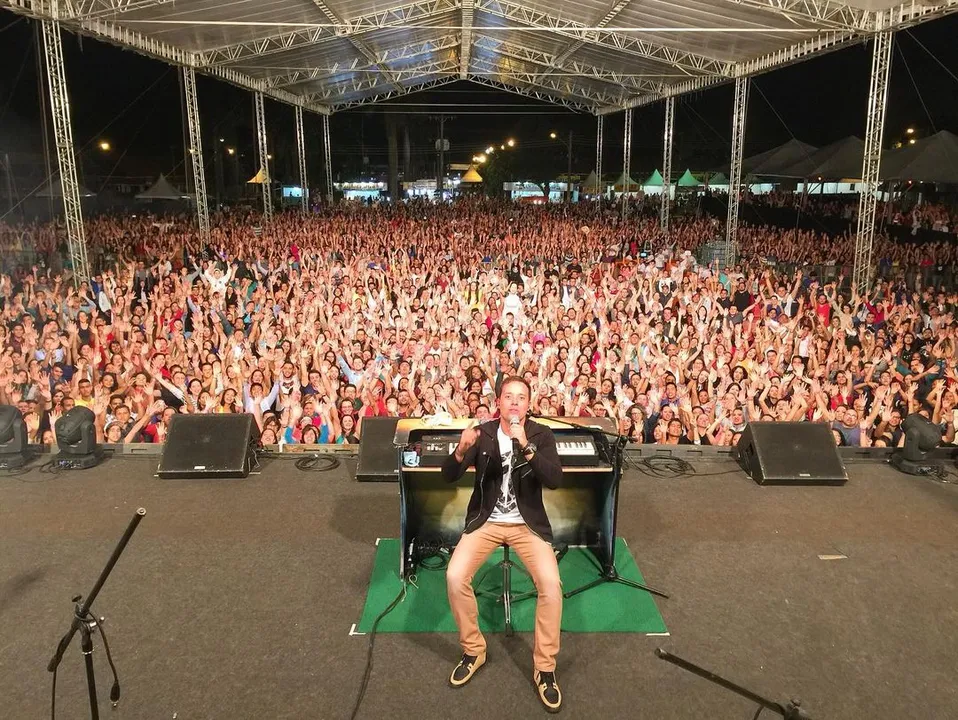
(209, 446)
(378, 458)
(790, 453)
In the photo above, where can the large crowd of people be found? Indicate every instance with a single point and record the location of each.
(313, 324)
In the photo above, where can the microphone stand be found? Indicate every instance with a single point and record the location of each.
(609, 573)
(790, 711)
(86, 623)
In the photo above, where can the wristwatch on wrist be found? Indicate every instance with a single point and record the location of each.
(529, 448)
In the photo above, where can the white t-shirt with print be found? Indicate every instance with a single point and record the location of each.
(507, 507)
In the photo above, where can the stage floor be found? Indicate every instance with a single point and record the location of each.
(235, 599)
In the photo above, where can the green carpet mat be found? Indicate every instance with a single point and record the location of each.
(610, 607)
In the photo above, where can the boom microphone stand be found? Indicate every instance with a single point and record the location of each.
(615, 453)
(790, 710)
(86, 623)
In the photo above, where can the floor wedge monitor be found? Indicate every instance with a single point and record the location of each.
(209, 446)
(790, 453)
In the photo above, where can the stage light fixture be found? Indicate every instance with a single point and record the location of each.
(76, 438)
(921, 437)
(13, 439)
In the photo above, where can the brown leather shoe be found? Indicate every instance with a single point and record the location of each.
(466, 668)
(548, 690)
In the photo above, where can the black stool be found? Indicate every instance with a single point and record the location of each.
(506, 596)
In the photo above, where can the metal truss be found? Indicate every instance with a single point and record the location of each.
(735, 176)
(395, 54)
(572, 68)
(916, 11)
(609, 17)
(391, 94)
(263, 157)
(157, 49)
(690, 63)
(599, 128)
(301, 156)
(90, 9)
(328, 155)
(399, 16)
(343, 90)
(63, 134)
(508, 85)
(465, 54)
(820, 13)
(667, 163)
(626, 162)
(585, 97)
(356, 41)
(196, 151)
(874, 132)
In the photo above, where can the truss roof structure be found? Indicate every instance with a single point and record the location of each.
(595, 56)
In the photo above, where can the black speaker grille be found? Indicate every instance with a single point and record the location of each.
(208, 446)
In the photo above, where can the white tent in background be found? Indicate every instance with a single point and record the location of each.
(162, 189)
(55, 190)
(592, 186)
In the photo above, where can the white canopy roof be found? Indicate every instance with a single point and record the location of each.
(596, 56)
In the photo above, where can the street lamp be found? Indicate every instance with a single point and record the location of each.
(231, 151)
(502, 147)
(481, 158)
(552, 135)
(910, 131)
(510, 142)
(104, 146)
(490, 150)
(912, 141)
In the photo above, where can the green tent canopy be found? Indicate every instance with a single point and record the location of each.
(626, 185)
(655, 180)
(688, 180)
(718, 179)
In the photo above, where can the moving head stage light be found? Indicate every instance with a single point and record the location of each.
(76, 439)
(13, 439)
(921, 437)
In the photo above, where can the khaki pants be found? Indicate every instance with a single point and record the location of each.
(539, 559)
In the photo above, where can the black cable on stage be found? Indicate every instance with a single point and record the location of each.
(369, 650)
(318, 463)
(668, 468)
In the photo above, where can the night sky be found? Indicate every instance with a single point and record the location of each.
(134, 103)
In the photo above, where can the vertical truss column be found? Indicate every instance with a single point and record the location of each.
(263, 156)
(63, 135)
(735, 178)
(329, 160)
(600, 122)
(874, 132)
(667, 162)
(301, 155)
(196, 151)
(626, 162)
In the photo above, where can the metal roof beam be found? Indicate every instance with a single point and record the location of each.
(465, 52)
(394, 54)
(538, 94)
(357, 42)
(398, 16)
(918, 11)
(590, 98)
(572, 68)
(124, 37)
(341, 90)
(90, 9)
(690, 63)
(609, 17)
(381, 97)
(821, 13)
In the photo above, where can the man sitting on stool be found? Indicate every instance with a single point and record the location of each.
(514, 458)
